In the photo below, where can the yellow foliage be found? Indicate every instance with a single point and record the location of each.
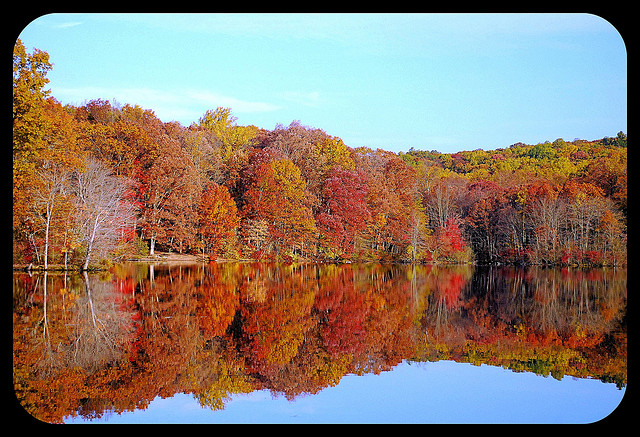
(336, 153)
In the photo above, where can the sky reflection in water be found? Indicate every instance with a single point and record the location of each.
(432, 392)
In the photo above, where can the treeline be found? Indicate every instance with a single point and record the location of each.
(110, 181)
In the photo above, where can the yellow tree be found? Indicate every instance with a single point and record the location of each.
(29, 121)
(45, 152)
(334, 152)
(279, 196)
(231, 136)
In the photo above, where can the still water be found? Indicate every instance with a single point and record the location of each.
(309, 343)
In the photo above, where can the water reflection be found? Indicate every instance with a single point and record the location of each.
(112, 342)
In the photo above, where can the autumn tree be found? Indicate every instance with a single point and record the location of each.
(278, 196)
(303, 146)
(206, 157)
(441, 197)
(450, 242)
(391, 200)
(103, 209)
(334, 152)
(612, 239)
(43, 204)
(122, 144)
(29, 79)
(610, 174)
(170, 195)
(343, 212)
(419, 232)
(487, 208)
(585, 207)
(29, 121)
(232, 138)
(218, 219)
(48, 195)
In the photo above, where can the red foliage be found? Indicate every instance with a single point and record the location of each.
(449, 238)
(450, 288)
(344, 211)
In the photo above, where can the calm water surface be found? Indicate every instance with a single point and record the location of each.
(355, 343)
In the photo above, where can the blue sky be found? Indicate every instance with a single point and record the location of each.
(447, 82)
(428, 392)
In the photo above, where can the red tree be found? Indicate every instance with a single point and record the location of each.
(344, 211)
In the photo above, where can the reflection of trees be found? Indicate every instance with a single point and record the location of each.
(215, 372)
(169, 331)
(275, 329)
(442, 318)
(69, 327)
(100, 324)
(553, 303)
(552, 321)
(342, 311)
(388, 326)
(217, 299)
(96, 344)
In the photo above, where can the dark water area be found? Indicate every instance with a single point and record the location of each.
(356, 343)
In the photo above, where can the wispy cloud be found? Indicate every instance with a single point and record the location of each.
(269, 25)
(238, 105)
(184, 106)
(67, 24)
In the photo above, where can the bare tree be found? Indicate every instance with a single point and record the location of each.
(103, 209)
(46, 197)
(442, 199)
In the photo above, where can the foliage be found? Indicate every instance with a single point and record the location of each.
(300, 193)
(278, 197)
(344, 212)
(218, 219)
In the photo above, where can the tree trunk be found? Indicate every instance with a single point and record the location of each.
(46, 242)
(85, 266)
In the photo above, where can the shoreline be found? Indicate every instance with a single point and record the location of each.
(176, 258)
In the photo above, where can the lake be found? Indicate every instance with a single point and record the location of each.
(320, 343)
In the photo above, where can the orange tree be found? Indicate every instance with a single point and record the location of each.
(278, 195)
(218, 219)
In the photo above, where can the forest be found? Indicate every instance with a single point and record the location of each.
(105, 182)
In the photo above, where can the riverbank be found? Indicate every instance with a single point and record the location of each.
(169, 257)
(160, 257)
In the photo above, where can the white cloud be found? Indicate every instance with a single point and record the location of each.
(67, 24)
(184, 106)
(237, 105)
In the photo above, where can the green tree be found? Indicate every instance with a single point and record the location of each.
(542, 151)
